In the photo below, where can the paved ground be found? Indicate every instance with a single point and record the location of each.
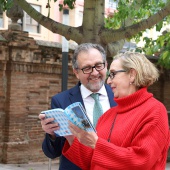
(38, 166)
(168, 166)
(28, 167)
(31, 166)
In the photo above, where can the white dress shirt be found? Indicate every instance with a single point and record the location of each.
(89, 101)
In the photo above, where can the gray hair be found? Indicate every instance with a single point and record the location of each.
(85, 48)
(147, 73)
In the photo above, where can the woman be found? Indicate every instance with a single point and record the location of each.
(134, 135)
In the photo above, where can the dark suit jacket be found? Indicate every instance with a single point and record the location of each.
(53, 149)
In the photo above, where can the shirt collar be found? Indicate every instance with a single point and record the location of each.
(86, 92)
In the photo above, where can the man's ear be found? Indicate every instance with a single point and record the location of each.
(76, 73)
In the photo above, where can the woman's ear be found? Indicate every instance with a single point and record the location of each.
(132, 74)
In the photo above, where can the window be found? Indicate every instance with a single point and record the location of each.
(27, 23)
(30, 24)
(113, 4)
(1, 19)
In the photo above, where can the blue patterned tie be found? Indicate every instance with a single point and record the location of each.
(97, 110)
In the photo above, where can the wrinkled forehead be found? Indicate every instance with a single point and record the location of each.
(90, 57)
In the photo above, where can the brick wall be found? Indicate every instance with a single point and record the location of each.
(30, 75)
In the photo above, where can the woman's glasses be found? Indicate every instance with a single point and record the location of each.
(113, 73)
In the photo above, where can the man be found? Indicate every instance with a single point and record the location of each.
(90, 67)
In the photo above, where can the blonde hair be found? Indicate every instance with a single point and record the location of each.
(146, 72)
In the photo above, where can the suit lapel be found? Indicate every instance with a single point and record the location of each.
(75, 94)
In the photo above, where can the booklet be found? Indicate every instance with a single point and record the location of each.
(74, 113)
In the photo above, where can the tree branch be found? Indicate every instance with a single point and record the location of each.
(68, 32)
(114, 47)
(109, 35)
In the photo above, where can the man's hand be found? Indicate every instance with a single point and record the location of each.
(48, 126)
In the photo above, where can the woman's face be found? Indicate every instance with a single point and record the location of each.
(122, 83)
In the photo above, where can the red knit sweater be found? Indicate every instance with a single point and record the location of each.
(139, 139)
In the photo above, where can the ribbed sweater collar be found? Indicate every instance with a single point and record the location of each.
(130, 102)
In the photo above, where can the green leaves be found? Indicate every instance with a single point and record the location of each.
(6, 4)
(164, 59)
(159, 26)
(135, 11)
(70, 4)
(138, 12)
(159, 48)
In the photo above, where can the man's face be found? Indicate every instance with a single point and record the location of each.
(94, 80)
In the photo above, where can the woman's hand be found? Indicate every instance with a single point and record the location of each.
(70, 139)
(84, 137)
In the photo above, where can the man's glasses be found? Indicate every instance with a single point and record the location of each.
(113, 73)
(89, 69)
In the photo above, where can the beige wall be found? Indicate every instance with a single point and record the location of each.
(45, 33)
(75, 18)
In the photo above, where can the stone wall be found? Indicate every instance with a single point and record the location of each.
(30, 75)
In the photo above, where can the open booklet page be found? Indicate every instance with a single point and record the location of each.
(75, 113)
(61, 118)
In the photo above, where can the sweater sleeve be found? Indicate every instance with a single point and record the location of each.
(78, 154)
(52, 149)
(142, 154)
